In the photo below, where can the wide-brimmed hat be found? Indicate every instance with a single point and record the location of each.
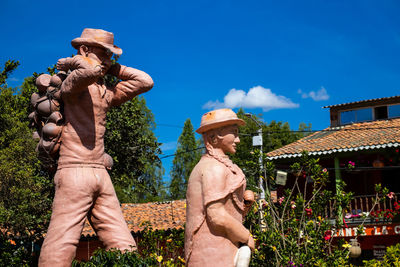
(218, 118)
(97, 37)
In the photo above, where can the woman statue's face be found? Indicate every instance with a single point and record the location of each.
(228, 139)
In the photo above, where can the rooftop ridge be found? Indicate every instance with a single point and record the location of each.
(362, 101)
(368, 135)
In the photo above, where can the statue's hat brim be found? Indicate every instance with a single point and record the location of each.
(98, 38)
(218, 118)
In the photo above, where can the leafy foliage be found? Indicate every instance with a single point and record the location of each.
(25, 190)
(275, 135)
(186, 157)
(116, 258)
(15, 255)
(9, 67)
(391, 258)
(130, 141)
(296, 231)
(155, 248)
(166, 246)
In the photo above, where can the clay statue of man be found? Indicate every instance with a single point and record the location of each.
(216, 196)
(83, 187)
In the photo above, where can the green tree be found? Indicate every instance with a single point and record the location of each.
(130, 141)
(275, 135)
(186, 157)
(25, 190)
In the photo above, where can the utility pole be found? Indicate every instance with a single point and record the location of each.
(258, 142)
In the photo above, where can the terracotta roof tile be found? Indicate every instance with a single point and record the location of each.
(357, 136)
(161, 215)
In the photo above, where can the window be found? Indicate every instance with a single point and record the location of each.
(394, 111)
(358, 115)
(381, 113)
(364, 114)
(347, 117)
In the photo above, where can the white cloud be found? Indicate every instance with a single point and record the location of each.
(168, 146)
(13, 79)
(320, 95)
(257, 97)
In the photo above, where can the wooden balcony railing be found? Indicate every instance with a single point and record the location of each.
(364, 204)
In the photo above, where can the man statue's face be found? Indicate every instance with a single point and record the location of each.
(229, 138)
(102, 56)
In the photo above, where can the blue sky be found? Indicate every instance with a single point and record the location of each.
(282, 59)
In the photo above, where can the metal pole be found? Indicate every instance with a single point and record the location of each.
(260, 182)
(259, 142)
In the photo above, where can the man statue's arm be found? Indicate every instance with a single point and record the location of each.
(84, 72)
(134, 82)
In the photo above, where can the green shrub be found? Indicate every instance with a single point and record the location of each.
(392, 258)
(155, 248)
(116, 258)
(15, 254)
(297, 231)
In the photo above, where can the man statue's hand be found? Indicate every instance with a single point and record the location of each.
(79, 62)
(62, 64)
(87, 63)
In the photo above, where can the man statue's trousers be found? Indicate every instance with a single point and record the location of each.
(83, 192)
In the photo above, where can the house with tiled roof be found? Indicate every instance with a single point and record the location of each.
(158, 215)
(364, 125)
(365, 136)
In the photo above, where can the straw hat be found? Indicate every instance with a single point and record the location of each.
(218, 118)
(97, 37)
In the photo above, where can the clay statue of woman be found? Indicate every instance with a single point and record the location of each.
(216, 197)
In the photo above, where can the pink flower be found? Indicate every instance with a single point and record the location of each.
(308, 212)
(390, 195)
(324, 170)
(293, 204)
(281, 199)
(328, 235)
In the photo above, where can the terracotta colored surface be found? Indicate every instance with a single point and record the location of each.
(83, 186)
(215, 196)
(219, 118)
(161, 216)
(94, 37)
(360, 136)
